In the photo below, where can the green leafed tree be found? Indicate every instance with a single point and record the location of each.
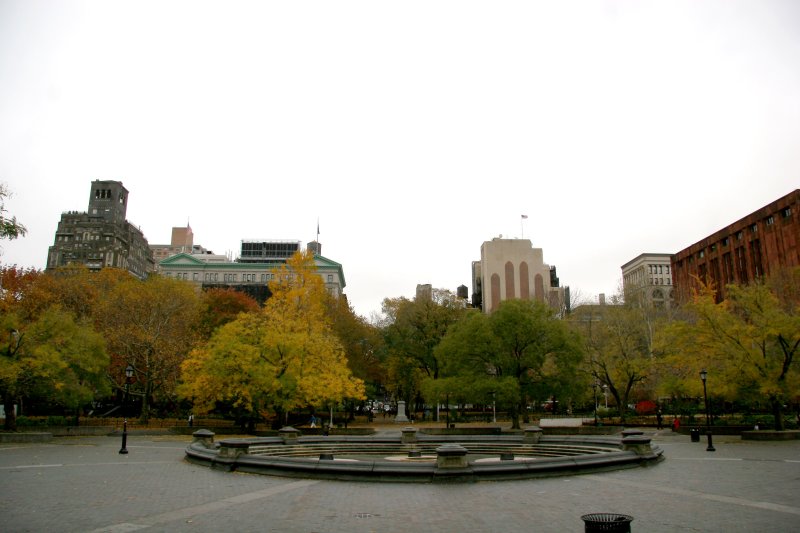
(413, 330)
(53, 356)
(10, 228)
(521, 350)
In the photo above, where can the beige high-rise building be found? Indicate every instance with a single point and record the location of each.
(513, 268)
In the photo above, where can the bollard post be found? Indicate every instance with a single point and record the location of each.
(124, 449)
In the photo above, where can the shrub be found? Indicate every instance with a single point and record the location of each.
(56, 421)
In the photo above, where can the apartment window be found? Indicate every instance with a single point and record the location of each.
(701, 254)
(330, 278)
(754, 229)
(770, 220)
(787, 212)
(725, 241)
(739, 236)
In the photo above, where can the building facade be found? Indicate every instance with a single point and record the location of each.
(251, 277)
(512, 268)
(101, 237)
(648, 276)
(751, 248)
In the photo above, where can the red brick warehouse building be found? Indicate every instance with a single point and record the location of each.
(755, 246)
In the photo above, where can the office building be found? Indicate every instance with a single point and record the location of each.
(648, 277)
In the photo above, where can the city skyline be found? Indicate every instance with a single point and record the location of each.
(410, 134)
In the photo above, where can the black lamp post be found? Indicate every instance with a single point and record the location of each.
(594, 389)
(704, 376)
(128, 376)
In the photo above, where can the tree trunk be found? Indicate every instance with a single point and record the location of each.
(777, 412)
(11, 416)
(515, 417)
(144, 416)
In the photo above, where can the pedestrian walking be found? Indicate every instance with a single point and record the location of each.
(191, 420)
(658, 419)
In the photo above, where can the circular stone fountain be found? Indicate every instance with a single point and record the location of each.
(411, 456)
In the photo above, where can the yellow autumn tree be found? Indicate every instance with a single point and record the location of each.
(746, 342)
(283, 357)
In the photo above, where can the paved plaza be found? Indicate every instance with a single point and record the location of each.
(82, 484)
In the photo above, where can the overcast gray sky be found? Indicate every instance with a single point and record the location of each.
(413, 131)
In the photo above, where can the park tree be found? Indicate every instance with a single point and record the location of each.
(10, 228)
(54, 356)
(75, 288)
(412, 331)
(149, 325)
(16, 285)
(521, 350)
(469, 356)
(362, 342)
(747, 343)
(283, 357)
(619, 346)
(220, 306)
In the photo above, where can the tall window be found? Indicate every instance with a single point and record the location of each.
(524, 281)
(510, 293)
(538, 283)
(495, 283)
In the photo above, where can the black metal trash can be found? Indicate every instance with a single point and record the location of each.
(695, 434)
(618, 523)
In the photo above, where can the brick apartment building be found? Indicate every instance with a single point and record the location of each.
(101, 236)
(755, 246)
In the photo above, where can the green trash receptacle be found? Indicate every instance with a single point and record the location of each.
(619, 523)
(695, 434)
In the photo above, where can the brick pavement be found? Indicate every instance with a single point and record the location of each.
(84, 485)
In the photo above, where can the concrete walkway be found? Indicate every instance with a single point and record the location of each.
(82, 484)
